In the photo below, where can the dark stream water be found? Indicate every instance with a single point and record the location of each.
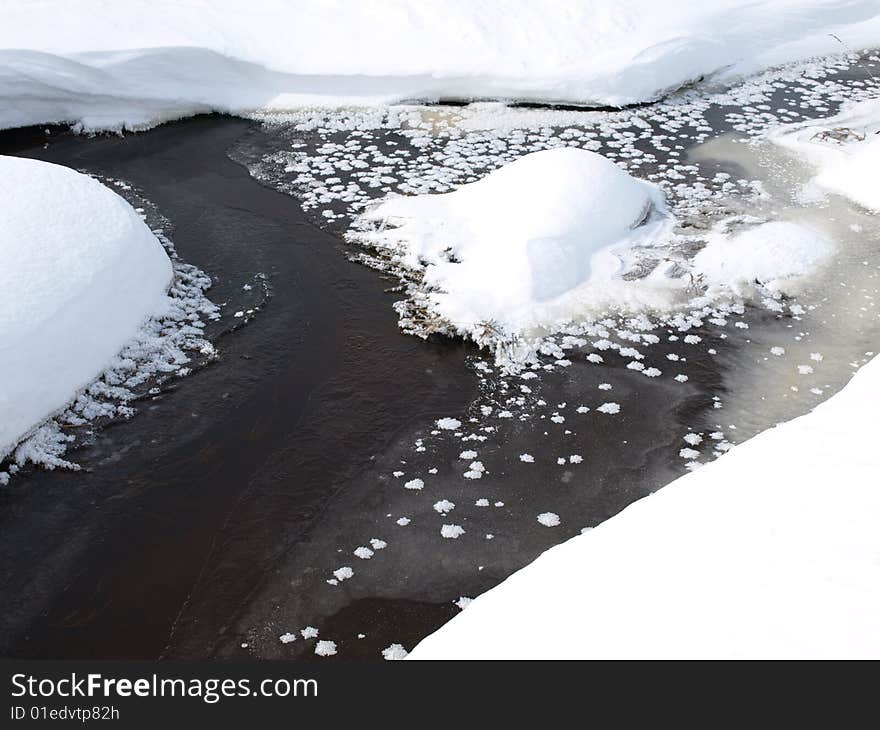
(204, 490)
(209, 524)
(208, 515)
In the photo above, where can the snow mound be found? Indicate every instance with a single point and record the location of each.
(144, 61)
(844, 149)
(515, 249)
(749, 557)
(773, 254)
(80, 272)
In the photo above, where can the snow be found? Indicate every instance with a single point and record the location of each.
(786, 565)
(287, 637)
(452, 532)
(394, 652)
(444, 506)
(549, 519)
(448, 424)
(325, 648)
(80, 273)
(108, 65)
(525, 245)
(775, 254)
(843, 149)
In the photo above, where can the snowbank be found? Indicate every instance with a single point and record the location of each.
(109, 64)
(771, 551)
(517, 248)
(774, 254)
(844, 149)
(79, 274)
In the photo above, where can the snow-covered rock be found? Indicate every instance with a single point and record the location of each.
(80, 272)
(525, 245)
(770, 551)
(140, 62)
(774, 254)
(843, 149)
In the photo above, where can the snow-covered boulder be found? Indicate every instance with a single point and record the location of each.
(79, 274)
(515, 248)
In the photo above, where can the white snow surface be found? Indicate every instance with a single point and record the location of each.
(843, 149)
(80, 272)
(769, 552)
(776, 254)
(526, 246)
(107, 64)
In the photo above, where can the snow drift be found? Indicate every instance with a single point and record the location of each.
(518, 248)
(769, 552)
(79, 273)
(108, 64)
(843, 149)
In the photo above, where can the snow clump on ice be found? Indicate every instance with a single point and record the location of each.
(549, 519)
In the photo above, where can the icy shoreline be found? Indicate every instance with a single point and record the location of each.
(749, 557)
(103, 380)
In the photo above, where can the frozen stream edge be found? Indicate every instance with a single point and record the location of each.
(166, 347)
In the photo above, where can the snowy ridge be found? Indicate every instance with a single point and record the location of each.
(769, 552)
(106, 66)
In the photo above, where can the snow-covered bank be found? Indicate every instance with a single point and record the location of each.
(843, 149)
(529, 245)
(108, 65)
(771, 551)
(80, 272)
